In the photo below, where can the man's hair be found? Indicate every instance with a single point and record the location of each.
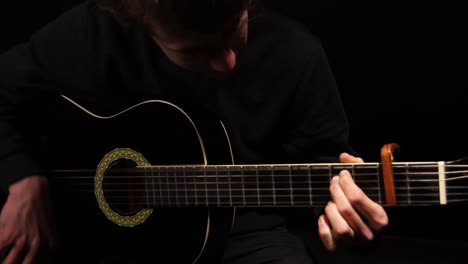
(178, 16)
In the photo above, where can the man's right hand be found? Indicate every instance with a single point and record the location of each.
(26, 223)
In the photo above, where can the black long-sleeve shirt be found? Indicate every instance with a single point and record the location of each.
(281, 104)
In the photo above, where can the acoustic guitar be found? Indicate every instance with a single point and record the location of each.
(132, 185)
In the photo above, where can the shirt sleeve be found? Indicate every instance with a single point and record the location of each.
(40, 66)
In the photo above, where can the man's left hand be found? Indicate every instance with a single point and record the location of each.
(350, 216)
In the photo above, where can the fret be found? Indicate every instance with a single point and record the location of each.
(282, 185)
(175, 188)
(236, 184)
(218, 200)
(408, 192)
(309, 181)
(251, 192)
(147, 181)
(160, 191)
(185, 186)
(320, 176)
(300, 185)
(258, 185)
(265, 185)
(161, 202)
(273, 184)
(241, 168)
(164, 187)
(169, 179)
(416, 184)
(224, 186)
(291, 193)
(153, 187)
(180, 174)
(180, 190)
(191, 187)
(200, 185)
(148, 174)
(212, 185)
(368, 179)
(205, 179)
(380, 184)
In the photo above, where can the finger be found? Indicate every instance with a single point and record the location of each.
(373, 213)
(5, 244)
(340, 229)
(346, 210)
(347, 158)
(325, 233)
(31, 255)
(16, 251)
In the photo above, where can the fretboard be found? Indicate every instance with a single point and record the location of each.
(288, 185)
(295, 185)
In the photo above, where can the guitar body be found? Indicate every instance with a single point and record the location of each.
(133, 186)
(162, 134)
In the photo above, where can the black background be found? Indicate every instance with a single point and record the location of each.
(401, 67)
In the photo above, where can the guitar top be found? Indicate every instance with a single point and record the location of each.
(102, 203)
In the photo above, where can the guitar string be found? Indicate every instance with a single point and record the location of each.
(170, 193)
(271, 203)
(246, 180)
(166, 193)
(264, 201)
(230, 171)
(203, 174)
(274, 167)
(172, 177)
(199, 181)
(263, 190)
(266, 184)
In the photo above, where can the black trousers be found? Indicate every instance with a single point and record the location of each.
(274, 246)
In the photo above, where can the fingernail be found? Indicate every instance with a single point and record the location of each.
(321, 220)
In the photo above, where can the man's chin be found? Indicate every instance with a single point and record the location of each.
(221, 75)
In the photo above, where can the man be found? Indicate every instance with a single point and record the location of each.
(266, 77)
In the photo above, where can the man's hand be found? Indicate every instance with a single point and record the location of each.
(350, 215)
(26, 224)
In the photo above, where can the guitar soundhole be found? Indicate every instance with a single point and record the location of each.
(123, 188)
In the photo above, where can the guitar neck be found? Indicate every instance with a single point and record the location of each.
(294, 185)
(275, 185)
